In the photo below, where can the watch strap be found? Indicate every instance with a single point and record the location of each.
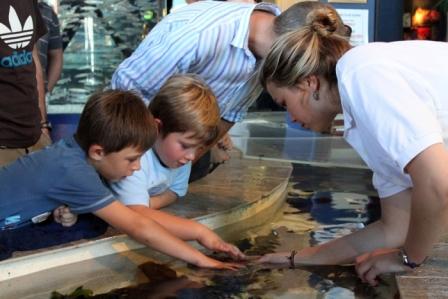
(407, 261)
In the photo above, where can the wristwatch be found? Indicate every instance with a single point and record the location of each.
(406, 261)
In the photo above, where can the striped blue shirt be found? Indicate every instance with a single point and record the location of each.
(208, 38)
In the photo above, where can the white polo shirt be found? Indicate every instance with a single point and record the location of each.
(395, 105)
(152, 179)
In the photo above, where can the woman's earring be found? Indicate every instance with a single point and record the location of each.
(316, 95)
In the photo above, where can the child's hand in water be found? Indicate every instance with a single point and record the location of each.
(63, 216)
(212, 241)
(229, 249)
(215, 264)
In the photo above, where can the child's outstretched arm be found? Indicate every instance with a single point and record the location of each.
(189, 230)
(162, 200)
(149, 232)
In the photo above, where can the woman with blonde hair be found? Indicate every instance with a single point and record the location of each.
(394, 101)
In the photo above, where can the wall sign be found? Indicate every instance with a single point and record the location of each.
(358, 19)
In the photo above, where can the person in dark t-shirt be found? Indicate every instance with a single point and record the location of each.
(23, 119)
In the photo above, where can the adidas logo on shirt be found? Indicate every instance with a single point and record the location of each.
(16, 37)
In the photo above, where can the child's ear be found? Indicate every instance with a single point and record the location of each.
(96, 152)
(158, 124)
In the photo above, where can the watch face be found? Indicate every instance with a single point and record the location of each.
(404, 257)
(406, 261)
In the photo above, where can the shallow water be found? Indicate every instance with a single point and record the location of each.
(322, 203)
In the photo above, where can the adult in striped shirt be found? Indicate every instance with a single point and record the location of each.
(50, 47)
(220, 41)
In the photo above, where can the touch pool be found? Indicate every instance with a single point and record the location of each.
(322, 203)
(329, 194)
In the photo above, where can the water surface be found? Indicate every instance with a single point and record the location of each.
(322, 204)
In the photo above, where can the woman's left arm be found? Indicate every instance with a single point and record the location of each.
(429, 216)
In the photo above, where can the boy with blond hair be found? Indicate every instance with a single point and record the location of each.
(187, 117)
(114, 131)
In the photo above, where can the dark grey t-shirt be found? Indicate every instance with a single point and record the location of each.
(42, 181)
(21, 27)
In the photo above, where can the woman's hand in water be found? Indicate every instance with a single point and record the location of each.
(293, 258)
(372, 264)
(275, 258)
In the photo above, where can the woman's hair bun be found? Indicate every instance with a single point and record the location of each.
(323, 21)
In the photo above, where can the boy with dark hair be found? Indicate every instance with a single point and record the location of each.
(115, 129)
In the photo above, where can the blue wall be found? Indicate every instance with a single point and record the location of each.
(64, 125)
(389, 20)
